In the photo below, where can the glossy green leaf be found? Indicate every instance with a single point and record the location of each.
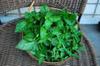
(28, 15)
(48, 24)
(43, 34)
(25, 45)
(21, 26)
(55, 31)
(29, 36)
(44, 8)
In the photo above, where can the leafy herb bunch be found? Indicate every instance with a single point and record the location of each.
(49, 35)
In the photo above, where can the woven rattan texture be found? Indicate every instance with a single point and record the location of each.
(71, 5)
(10, 56)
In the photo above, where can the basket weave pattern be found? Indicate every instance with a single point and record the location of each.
(71, 5)
(10, 56)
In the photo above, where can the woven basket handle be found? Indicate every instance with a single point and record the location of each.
(30, 7)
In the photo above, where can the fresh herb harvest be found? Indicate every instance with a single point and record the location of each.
(49, 35)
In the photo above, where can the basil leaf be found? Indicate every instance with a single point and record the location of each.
(43, 34)
(25, 45)
(29, 36)
(28, 15)
(47, 24)
(21, 26)
(44, 8)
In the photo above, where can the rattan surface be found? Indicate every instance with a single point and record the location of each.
(10, 56)
(71, 5)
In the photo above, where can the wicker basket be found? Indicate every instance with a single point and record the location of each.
(46, 62)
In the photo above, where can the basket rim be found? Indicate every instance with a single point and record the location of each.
(48, 62)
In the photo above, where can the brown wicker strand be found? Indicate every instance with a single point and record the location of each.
(71, 5)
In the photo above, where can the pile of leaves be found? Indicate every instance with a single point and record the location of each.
(49, 35)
